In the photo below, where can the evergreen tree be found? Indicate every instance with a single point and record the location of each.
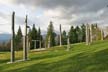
(83, 32)
(78, 34)
(39, 37)
(50, 35)
(71, 34)
(39, 34)
(33, 36)
(18, 39)
(64, 38)
(34, 33)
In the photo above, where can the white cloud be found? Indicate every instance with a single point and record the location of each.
(65, 12)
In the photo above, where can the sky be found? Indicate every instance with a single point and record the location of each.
(41, 12)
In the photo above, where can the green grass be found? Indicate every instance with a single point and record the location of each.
(80, 58)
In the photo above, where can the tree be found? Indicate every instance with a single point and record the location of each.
(18, 39)
(39, 37)
(71, 34)
(78, 34)
(64, 38)
(39, 34)
(75, 39)
(33, 36)
(50, 38)
(83, 32)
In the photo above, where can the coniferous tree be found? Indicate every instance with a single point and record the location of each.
(76, 35)
(83, 32)
(79, 35)
(19, 33)
(50, 35)
(33, 35)
(71, 34)
(64, 38)
(39, 37)
(18, 39)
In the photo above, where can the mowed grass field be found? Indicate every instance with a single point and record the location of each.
(80, 58)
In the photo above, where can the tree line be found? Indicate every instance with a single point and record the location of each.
(75, 34)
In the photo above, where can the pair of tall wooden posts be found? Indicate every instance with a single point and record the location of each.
(68, 40)
(25, 50)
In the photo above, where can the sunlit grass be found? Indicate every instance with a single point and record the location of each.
(80, 58)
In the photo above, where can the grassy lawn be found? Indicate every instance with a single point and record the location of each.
(80, 58)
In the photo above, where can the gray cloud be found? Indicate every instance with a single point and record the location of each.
(52, 3)
(73, 7)
(72, 12)
(82, 5)
(70, 6)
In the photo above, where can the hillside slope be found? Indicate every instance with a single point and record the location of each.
(80, 58)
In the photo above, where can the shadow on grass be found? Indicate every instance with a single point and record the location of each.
(50, 55)
(96, 62)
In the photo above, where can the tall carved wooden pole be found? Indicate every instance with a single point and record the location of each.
(13, 37)
(28, 45)
(34, 43)
(102, 35)
(25, 40)
(60, 36)
(40, 44)
(91, 36)
(87, 35)
(49, 39)
(68, 43)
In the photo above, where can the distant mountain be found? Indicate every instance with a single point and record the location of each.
(5, 37)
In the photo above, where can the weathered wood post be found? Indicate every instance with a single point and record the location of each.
(60, 36)
(12, 40)
(91, 34)
(34, 43)
(45, 45)
(49, 42)
(25, 41)
(40, 44)
(68, 44)
(28, 45)
(102, 35)
(87, 35)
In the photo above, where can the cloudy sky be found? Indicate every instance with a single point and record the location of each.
(65, 12)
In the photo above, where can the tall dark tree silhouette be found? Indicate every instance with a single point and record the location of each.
(50, 38)
(18, 39)
(39, 37)
(64, 38)
(83, 32)
(33, 36)
(71, 35)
